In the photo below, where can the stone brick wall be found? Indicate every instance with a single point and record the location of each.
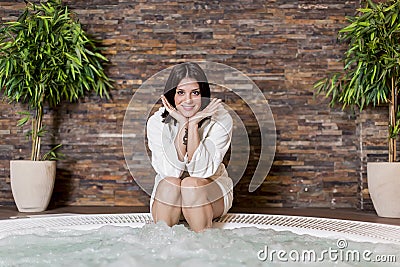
(283, 46)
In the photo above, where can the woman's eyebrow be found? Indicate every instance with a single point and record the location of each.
(194, 89)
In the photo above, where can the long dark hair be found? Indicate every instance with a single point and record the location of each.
(178, 73)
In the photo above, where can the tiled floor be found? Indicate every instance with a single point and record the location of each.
(345, 214)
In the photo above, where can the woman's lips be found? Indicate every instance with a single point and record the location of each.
(188, 108)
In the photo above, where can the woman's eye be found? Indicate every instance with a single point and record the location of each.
(180, 92)
(196, 92)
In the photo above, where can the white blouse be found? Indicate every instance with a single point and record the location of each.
(215, 137)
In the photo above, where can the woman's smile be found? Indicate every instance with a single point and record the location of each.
(188, 108)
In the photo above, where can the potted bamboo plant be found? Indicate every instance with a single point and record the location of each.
(45, 58)
(371, 77)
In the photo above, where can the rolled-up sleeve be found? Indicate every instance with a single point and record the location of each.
(212, 148)
(164, 157)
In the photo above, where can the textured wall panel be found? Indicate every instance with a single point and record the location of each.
(283, 46)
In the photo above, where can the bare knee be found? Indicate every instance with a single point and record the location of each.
(194, 192)
(169, 191)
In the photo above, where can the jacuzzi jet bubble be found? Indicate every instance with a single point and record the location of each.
(235, 241)
(159, 245)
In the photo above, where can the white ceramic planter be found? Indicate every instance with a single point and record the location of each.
(32, 184)
(384, 188)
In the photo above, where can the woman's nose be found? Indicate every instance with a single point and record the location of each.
(188, 98)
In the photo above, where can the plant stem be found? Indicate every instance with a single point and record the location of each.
(33, 138)
(392, 119)
(36, 130)
(395, 107)
(39, 115)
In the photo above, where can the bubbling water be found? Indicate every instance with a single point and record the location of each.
(160, 245)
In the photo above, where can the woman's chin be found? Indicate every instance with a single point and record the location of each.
(188, 113)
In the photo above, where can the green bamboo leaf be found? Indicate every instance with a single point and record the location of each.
(46, 24)
(364, 10)
(42, 129)
(390, 7)
(74, 59)
(23, 121)
(394, 18)
(101, 56)
(7, 68)
(72, 71)
(381, 15)
(85, 84)
(78, 53)
(364, 23)
(349, 28)
(94, 69)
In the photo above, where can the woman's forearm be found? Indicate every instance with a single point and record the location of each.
(193, 139)
(180, 143)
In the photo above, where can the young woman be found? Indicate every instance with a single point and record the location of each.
(188, 138)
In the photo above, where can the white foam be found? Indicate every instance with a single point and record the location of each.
(235, 240)
(160, 245)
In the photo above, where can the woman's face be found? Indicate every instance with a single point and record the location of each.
(187, 97)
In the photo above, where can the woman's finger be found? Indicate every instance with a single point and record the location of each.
(214, 104)
(166, 104)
